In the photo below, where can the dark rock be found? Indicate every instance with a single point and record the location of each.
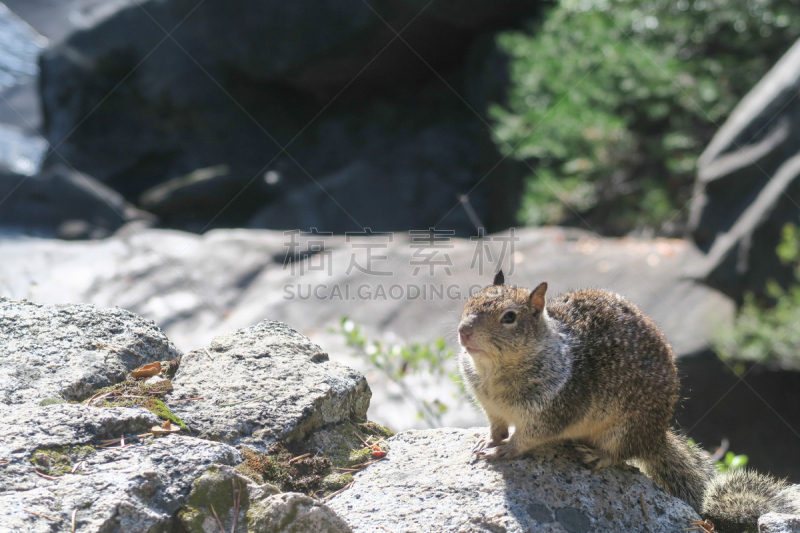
(55, 199)
(420, 174)
(758, 413)
(327, 82)
(748, 185)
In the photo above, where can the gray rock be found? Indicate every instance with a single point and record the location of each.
(431, 481)
(60, 195)
(265, 383)
(779, 523)
(135, 489)
(261, 507)
(295, 513)
(67, 351)
(747, 185)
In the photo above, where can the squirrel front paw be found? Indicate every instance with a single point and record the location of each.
(499, 451)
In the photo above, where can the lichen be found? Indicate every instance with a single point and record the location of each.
(214, 488)
(51, 401)
(60, 460)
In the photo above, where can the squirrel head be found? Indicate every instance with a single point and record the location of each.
(503, 321)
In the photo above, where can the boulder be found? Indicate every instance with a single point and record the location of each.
(263, 384)
(308, 92)
(97, 469)
(779, 523)
(134, 489)
(67, 351)
(747, 186)
(65, 203)
(431, 481)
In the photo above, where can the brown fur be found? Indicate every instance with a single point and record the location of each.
(589, 367)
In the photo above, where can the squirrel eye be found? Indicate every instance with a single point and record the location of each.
(509, 317)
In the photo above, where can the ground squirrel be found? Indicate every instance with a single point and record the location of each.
(589, 366)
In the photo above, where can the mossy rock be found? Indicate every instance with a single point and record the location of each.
(338, 446)
(215, 488)
(61, 460)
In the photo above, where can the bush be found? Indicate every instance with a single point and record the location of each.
(769, 334)
(612, 101)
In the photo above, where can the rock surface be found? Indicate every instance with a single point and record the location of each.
(261, 507)
(52, 200)
(58, 470)
(135, 489)
(67, 351)
(431, 481)
(748, 185)
(779, 523)
(265, 383)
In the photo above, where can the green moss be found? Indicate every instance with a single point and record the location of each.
(160, 409)
(137, 393)
(378, 430)
(61, 460)
(335, 481)
(278, 468)
(213, 488)
(51, 401)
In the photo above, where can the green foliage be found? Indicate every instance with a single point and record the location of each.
(731, 461)
(769, 334)
(398, 361)
(613, 100)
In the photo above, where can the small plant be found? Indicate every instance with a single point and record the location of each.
(398, 361)
(769, 334)
(731, 461)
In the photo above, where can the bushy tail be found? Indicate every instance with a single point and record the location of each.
(681, 469)
(734, 501)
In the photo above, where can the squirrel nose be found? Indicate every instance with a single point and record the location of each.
(464, 337)
(464, 332)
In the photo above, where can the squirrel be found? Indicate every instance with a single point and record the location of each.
(589, 366)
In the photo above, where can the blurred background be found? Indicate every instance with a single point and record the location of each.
(209, 164)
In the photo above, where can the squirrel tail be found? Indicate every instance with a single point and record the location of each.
(680, 468)
(734, 500)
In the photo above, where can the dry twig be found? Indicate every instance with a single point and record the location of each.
(329, 496)
(51, 478)
(43, 515)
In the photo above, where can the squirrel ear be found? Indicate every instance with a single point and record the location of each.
(537, 296)
(499, 279)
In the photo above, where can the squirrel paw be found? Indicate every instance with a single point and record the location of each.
(594, 459)
(500, 451)
(485, 443)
